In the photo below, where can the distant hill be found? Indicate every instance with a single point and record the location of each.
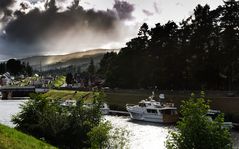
(60, 61)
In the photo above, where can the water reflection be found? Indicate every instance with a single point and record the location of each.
(143, 135)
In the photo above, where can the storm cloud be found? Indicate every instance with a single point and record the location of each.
(124, 9)
(147, 12)
(41, 32)
(5, 3)
(157, 10)
(5, 12)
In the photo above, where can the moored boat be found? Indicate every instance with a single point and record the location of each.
(105, 109)
(153, 111)
(212, 114)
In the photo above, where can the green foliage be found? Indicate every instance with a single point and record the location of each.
(13, 139)
(59, 81)
(105, 136)
(66, 127)
(99, 136)
(15, 67)
(69, 78)
(91, 68)
(196, 130)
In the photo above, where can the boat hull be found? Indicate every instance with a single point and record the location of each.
(146, 117)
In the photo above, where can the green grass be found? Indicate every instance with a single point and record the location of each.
(69, 95)
(13, 139)
(59, 81)
(26, 81)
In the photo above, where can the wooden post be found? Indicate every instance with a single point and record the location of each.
(4, 95)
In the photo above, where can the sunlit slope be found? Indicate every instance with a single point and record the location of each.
(13, 139)
(56, 61)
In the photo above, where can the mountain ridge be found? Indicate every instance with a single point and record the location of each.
(81, 58)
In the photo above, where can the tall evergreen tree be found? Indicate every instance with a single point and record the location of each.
(230, 39)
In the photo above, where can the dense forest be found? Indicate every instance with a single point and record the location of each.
(15, 67)
(201, 52)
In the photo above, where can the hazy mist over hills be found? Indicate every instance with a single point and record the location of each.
(82, 59)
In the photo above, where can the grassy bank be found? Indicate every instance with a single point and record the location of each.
(59, 81)
(229, 105)
(69, 95)
(13, 139)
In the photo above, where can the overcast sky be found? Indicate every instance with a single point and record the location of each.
(55, 37)
(158, 10)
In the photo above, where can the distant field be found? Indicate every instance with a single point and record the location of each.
(228, 105)
(69, 95)
(13, 139)
(59, 81)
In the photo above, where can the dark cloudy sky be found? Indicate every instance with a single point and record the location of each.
(36, 27)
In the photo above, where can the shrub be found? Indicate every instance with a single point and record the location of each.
(196, 131)
(65, 127)
(105, 136)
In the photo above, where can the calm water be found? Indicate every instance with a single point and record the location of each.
(143, 135)
(7, 109)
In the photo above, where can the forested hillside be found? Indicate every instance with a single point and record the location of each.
(201, 52)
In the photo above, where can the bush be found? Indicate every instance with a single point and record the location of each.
(196, 131)
(65, 127)
(105, 136)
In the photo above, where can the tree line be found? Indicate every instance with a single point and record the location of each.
(200, 52)
(16, 67)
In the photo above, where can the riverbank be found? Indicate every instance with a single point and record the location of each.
(11, 138)
(69, 95)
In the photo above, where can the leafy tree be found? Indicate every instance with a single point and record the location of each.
(2, 68)
(230, 40)
(72, 127)
(14, 66)
(91, 68)
(196, 130)
(69, 78)
(105, 136)
(99, 136)
(28, 70)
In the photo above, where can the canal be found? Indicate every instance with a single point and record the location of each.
(142, 135)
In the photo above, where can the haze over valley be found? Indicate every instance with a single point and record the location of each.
(82, 59)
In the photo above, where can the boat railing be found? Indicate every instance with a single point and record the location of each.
(168, 104)
(129, 105)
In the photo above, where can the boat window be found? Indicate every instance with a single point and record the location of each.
(152, 111)
(168, 112)
(142, 105)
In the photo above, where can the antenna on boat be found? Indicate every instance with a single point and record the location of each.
(161, 96)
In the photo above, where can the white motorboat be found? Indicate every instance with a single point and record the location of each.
(68, 103)
(153, 111)
(105, 109)
(212, 114)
